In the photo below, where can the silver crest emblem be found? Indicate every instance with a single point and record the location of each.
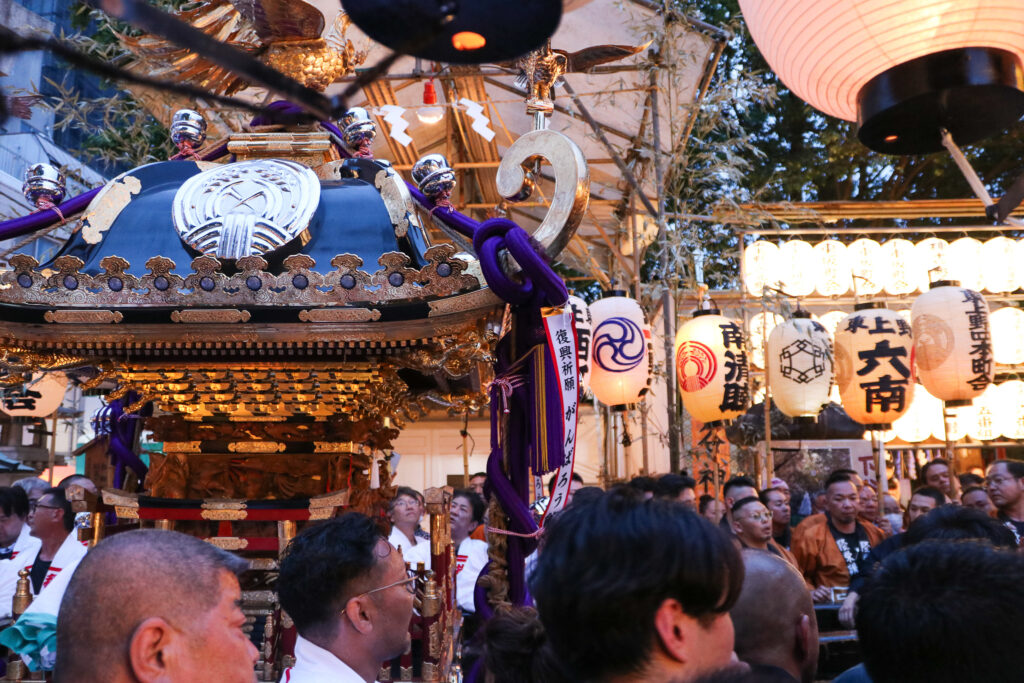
(249, 208)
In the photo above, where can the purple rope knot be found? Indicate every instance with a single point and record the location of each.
(539, 279)
(506, 385)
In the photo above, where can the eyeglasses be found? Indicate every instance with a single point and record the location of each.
(998, 481)
(408, 582)
(760, 517)
(32, 507)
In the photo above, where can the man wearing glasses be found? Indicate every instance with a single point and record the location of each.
(752, 527)
(1005, 484)
(350, 596)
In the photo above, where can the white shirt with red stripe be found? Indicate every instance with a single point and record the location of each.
(313, 664)
(64, 564)
(469, 562)
(24, 553)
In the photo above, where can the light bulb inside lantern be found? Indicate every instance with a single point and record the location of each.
(430, 113)
(465, 41)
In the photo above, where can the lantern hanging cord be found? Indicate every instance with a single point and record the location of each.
(970, 175)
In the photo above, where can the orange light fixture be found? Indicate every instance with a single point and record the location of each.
(467, 41)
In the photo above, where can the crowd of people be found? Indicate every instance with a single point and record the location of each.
(646, 581)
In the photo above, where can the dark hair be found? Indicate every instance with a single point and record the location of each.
(956, 523)
(475, 502)
(969, 479)
(319, 567)
(587, 493)
(515, 648)
(477, 474)
(605, 567)
(930, 491)
(643, 484)
(61, 502)
(972, 489)
(14, 501)
(405, 491)
(736, 482)
(705, 501)
(744, 501)
(671, 485)
(1014, 467)
(838, 476)
(922, 475)
(554, 478)
(942, 612)
(166, 573)
(763, 496)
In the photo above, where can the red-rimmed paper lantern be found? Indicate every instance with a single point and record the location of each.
(800, 369)
(874, 357)
(902, 69)
(952, 342)
(711, 367)
(619, 351)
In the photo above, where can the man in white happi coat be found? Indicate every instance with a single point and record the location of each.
(15, 541)
(350, 596)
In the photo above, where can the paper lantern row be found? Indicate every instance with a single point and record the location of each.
(1007, 332)
(997, 413)
(897, 267)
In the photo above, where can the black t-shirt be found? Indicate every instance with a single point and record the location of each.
(1013, 524)
(37, 574)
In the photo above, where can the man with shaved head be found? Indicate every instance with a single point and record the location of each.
(154, 606)
(776, 630)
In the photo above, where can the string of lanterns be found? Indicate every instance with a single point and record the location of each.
(897, 266)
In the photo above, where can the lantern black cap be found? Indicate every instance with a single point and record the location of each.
(458, 31)
(944, 283)
(866, 305)
(613, 292)
(801, 313)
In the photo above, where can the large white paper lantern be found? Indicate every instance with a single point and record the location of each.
(965, 263)
(849, 58)
(874, 366)
(902, 273)
(800, 369)
(39, 398)
(798, 268)
(831, 319)
(1009, 401)
(933, 257)
(958, 420)
(917, 423)
(981, 418)
(1007, 335)
(761, 326)
(1000, 265)
(833, 268)
(866, 266)
(619, 352)
(761, 266)
(583, 322)
(711, 366)
(952, 342)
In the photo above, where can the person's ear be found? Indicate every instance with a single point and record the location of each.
(737, 528)
(358, 611)
(803, 638)
(670, 623)
(150, 651)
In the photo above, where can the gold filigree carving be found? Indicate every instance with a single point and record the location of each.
(435, 640)
(126, 512)
(339, 315)
(387, 183)
(256, 447)
(106, 206)
(66, 316)
(223, 515)
(211, 315)
(321, 513)
(228, 542)
(473, 300)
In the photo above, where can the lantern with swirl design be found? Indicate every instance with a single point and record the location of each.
(620, 366)
(711, 364)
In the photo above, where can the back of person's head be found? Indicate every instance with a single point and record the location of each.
(13, 501)
(320, 569)
(671, 485)
(938, 496)
(705, 500)
(514, 650)
(774, 618)
(944, 612)
(127, 579)
(969, 479)
(957, 523)
(737, 482)
(644, 484)
(475, 501)
(608, 566)
(586, 494)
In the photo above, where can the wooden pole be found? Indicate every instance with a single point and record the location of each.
(53, 446)
(465, 450)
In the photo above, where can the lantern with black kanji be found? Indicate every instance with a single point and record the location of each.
(620, 367)
(583, 322)
(874, 365)
(40, 397)
(952, 342)
(711, 365)
(800, 369)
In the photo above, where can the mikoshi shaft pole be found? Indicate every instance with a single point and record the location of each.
(880, 474)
